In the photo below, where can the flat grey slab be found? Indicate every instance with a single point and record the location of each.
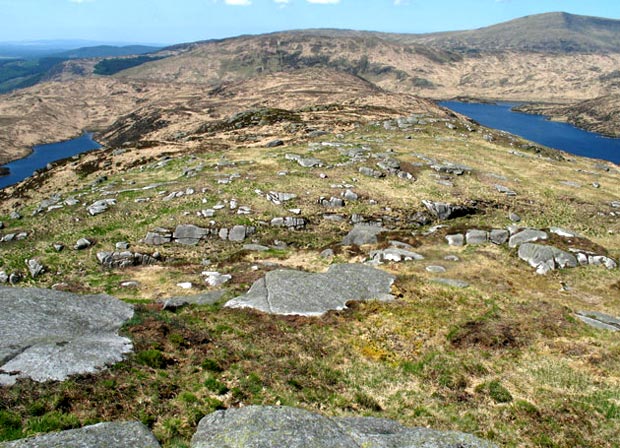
(362, 234)
(546, 258)
(49, 335)
(101, 435)
(207, 298)
(599, 320)
(288, 292)
(526, 236)
(455, 283)
(276, 427)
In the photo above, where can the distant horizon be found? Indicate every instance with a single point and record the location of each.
(145, 22)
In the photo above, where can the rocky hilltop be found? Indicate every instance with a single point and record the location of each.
(301, 256)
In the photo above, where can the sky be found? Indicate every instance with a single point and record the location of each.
(176, 21)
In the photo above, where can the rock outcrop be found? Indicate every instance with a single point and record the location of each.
(267, 427)
(101, 435)
(288, 292)
(49, 335)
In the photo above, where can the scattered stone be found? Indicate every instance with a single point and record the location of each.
(288, 292)
(350, 195)
(4, 277)
(394, 254)
(125, 259)
(213, 278)
(15, 215)
(188, 234)
(475, 236)
(185, 285)
(101, 435)
(266, 427)
(122, 245)
(83, 243)
(1, 225)
(130, 284)
(563, 232)
(15, 278)
(237, 233)
(615, 204)
(598, 260)
(451, 258)
(208, 298)
(570, 183)
(290, 222)
(158, 237)
(451, 168)
(279, 198)
(456, 239)
(327, 253)
(309, 162)
(436, 269)
(596, 185)
(362, 234)
(499, 236)
(332, 202)
(35, 267)
(49, 335)
(389, 164)
(100, 206)
(507, 191)
(451, 282)
(514, 217)
(546, 258)
(334, 217)
(444, 211)
(526, 236)
(371, 173)
(275, 144)
(599, 320)
(255, 248)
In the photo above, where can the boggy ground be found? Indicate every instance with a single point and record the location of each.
(505, 358)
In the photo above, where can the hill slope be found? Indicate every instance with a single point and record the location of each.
(421, 65)
(557, 32)
(504, 358)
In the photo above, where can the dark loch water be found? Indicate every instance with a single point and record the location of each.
(44, 154)
(540, 130)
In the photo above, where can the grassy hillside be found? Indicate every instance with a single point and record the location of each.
(505, 358)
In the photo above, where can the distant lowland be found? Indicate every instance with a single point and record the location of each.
(566, 64)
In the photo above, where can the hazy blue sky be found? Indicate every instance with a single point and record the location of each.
(172, 21)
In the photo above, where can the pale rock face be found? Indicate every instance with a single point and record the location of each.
(271, 427)
(288, 292)
(50, 335)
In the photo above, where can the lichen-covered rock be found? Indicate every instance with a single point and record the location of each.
(456, 239)
(101, 435)
(362, 234)
(189, 234)
(475, 236)
(546, 258)
(394, 254)
(526, 236)
(288, 292)
(124, 259)
(277, 427)
(49, 335)
(445, 211)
